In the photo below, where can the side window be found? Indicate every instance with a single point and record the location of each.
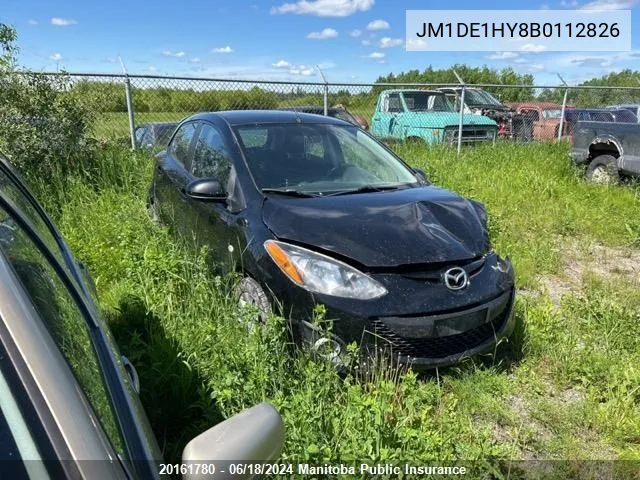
(63, 319)
(211, 157)
(181, 142)
(19, 199)
(384, 104)
(532, 115)
(394, 103)
(140, 131)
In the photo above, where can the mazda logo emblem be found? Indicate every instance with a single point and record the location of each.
(456, 278)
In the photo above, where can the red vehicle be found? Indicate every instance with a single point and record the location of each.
(542, 118)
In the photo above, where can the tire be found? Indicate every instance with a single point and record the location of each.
(603, 170)
(250, 292)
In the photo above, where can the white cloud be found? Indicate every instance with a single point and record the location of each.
(56, 57)
(378, 25)
(194, 60)
(416, 43)
(32, 22)
(170, 53)
(569, 3)
(281, 64)
(226, 49)
(366, 42)
(387, 42)
(544, 6)
(521, 60)
(301, 70)
(323, 35)
(533, 48)
(375, 56)
(153, 69)
(62, 22)
(502, 55)
(356, 33)
(609, 5)
(324, 8)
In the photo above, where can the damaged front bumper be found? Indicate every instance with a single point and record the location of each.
(421, 322)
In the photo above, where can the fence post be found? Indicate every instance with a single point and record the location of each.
(564, 106)
(325, 92)
(132, 124)
(461, 122)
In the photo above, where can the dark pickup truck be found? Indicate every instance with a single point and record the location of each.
(609, 150)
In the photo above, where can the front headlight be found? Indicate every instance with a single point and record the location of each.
(322, 274)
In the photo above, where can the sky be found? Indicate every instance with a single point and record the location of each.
(352, 41)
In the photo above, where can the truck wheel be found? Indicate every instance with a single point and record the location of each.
(250, 293)
(603, 170)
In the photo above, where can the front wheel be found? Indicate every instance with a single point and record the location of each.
(251, 294)
(603, 170)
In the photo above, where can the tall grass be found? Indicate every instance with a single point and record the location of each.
(198, 364)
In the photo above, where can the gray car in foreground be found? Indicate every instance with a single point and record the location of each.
(69, 404)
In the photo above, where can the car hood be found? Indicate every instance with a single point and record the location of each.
(384, 229)
(445, 119)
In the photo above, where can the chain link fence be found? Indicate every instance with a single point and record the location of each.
(143, 110)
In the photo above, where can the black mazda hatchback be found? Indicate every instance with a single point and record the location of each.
(312, 210)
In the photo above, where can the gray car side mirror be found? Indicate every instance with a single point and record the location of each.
(254, 435)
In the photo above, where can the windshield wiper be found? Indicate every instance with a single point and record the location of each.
(366, 189)
(292, 192)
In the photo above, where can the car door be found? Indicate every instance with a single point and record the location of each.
(381, 120)
(216, 225)
(396, 108)
(172, 175)
(57, 283)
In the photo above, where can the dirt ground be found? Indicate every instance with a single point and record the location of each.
(608, 262)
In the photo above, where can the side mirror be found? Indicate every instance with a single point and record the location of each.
(255, 435)
(420, 175)
(206, 189)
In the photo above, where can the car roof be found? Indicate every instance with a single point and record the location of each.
(302, 108)
(244, 117)
(542, 105)
(409, 90)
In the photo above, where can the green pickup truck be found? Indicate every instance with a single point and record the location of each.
(426, 116)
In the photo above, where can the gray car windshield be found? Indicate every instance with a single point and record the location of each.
(480, 97)
(318, 159)
(427, 101)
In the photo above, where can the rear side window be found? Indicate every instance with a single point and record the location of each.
(63, 319)
(17, 197)
(181, 142)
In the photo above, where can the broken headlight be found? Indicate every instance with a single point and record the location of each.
(322, 274)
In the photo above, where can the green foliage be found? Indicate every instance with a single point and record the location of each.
(43, 127)
(471, 75)
(181, 328)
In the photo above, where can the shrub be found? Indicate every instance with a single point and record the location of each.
(44, 127)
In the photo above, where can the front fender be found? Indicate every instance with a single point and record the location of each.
(429, 135)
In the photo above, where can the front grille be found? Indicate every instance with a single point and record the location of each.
(469, 134)
(437, 347)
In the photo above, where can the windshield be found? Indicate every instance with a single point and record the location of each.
(552, 113)
(319, 159)
(427, 101)
(480, 97)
